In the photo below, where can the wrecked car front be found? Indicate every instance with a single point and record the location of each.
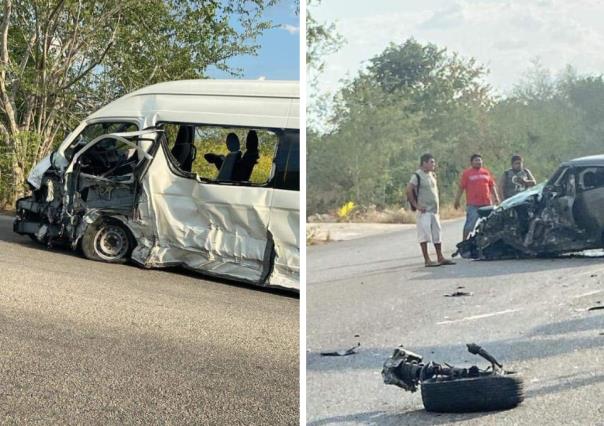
(559, 216)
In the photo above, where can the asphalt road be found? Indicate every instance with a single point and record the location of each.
(87, 342)
(530, 314)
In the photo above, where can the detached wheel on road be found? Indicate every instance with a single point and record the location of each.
(107, 240)
(485, 393)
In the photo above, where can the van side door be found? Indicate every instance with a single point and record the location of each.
(284, 223)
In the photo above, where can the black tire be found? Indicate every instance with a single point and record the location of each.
(486, 393)
(107, 240)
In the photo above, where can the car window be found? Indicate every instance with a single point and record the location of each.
(95, 130)
(222, 154)
(287, 173)
(591, 178)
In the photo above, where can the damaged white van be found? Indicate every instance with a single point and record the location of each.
(202, 174)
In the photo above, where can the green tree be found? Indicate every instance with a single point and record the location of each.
(411, 99)
(62, 59)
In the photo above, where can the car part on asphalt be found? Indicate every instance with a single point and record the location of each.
(459, 294)
(346, 352)
(446, 388)
(563, 215)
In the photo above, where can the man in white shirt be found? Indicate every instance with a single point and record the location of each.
(422, 193)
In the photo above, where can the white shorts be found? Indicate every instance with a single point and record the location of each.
(428, 227)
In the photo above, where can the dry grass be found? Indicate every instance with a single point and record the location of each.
(388, 215)
(392, 214)
(314, 236)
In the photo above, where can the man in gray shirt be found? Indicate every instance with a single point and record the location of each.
(516, 179)
(422, 193)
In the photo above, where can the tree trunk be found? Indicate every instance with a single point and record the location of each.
(18, 182)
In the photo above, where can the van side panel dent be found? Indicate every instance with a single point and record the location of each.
(285, 228)
(217, 229)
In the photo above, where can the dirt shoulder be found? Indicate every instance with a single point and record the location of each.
(321, 233)
(326, 232)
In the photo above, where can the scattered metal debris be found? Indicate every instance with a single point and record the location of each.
(459, 294)
(351, 351)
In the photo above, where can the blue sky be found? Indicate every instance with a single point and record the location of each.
(279, 55)
(504, 35)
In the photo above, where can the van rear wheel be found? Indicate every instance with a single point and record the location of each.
(107, 240)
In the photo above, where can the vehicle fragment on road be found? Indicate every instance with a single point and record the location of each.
(446, 388)
(345, 352)
(459, 294)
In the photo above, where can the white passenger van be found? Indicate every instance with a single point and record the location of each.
(199, 173)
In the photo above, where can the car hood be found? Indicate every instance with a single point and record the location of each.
(522, 197)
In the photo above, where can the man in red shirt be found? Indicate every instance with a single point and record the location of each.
(480, 189)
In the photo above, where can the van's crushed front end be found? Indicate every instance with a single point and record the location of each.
(41, 215)
(101, 179)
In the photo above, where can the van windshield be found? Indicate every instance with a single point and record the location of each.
(95, 130)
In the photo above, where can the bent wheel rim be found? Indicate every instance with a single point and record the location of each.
(111, 242)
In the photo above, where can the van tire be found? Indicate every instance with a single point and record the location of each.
(485, 393)
(107, 240)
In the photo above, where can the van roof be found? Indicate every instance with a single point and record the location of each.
(254, 88)
(249, 103)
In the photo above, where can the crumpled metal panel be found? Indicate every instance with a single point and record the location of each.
(284, 226)
(37, 172)
(218, 229)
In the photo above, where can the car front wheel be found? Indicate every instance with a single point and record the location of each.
(107, 240)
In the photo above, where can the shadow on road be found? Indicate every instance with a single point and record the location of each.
(7, 235)
(507, 351)
(409, 418)
(593, 322)
(374, 262)
(418, 417)
(508, 268)
(565, 383)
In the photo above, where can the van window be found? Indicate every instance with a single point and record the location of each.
(95, 130)
(287, 173)
(222, 154)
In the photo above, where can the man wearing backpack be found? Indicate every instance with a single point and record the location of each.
(516, 179)
(422, 193)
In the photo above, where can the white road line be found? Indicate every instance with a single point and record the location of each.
(587, 294)
(474, 317)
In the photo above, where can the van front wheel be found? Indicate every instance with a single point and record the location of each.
(107, 241)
